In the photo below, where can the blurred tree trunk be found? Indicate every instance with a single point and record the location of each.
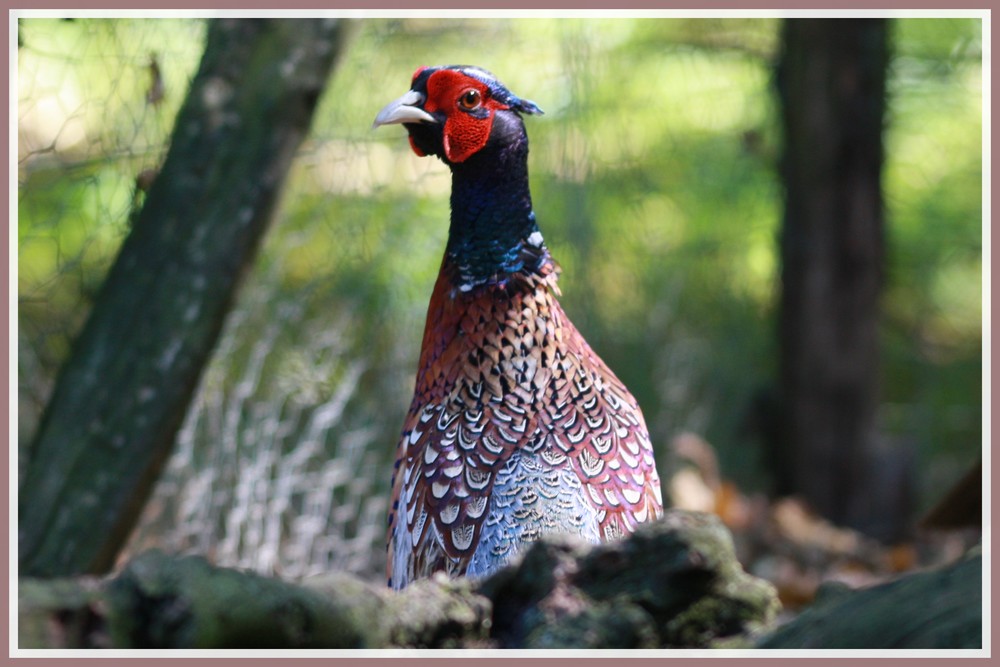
(832, 87)
(121, 397)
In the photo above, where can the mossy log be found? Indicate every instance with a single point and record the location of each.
(158, 601)
(941, 608)
(673, 583)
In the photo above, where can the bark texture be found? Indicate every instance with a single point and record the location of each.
(831, 80)
(121, 397)
(674, 583)
(928, 610)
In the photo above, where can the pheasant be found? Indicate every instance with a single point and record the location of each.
(517, 428)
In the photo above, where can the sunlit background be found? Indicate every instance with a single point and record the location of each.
(654, 181)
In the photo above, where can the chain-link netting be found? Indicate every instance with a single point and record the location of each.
(654, 184)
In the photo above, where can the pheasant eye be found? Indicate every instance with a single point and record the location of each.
(470, 99)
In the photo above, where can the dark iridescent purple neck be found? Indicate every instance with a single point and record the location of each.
(493, 232)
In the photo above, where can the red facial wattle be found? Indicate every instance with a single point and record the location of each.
(416, 149)
(464, 133)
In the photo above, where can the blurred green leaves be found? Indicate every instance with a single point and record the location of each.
(653, 180)
(85, 132)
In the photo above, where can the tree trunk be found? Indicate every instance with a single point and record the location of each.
(831, 81)
(121, 397)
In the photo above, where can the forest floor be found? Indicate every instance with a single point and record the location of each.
(785, 543)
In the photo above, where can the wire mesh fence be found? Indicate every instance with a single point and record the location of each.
(653, 179)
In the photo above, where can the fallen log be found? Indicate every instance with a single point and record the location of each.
(673, 583)
(939, 608)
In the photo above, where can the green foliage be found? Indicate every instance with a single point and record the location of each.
(653, 174)
(933, 298)
(85, 132)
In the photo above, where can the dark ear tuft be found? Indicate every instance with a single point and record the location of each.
(527, 106)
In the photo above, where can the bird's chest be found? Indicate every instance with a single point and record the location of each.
(493, 348)
(531, 497)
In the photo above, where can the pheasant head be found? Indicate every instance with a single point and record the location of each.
(473, 123)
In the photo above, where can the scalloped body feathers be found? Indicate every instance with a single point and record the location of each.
(516, 428)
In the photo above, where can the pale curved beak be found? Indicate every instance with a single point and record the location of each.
(404, 110)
